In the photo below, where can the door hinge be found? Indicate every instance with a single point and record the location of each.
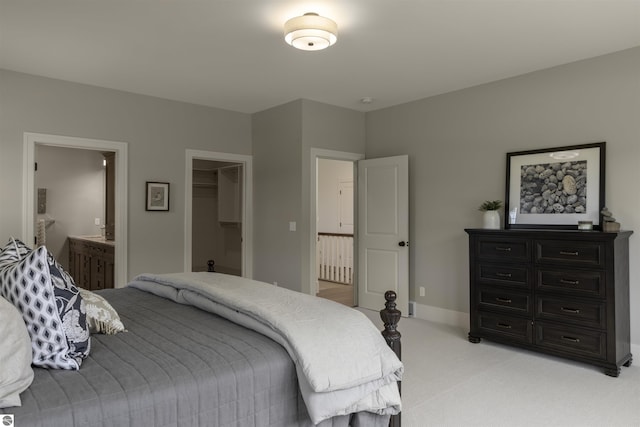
(36, 166)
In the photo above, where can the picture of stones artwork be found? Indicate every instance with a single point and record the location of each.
(554, 188)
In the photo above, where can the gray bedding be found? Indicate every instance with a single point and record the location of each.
(175, 366)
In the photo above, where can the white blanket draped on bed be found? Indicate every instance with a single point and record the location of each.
(344, 364)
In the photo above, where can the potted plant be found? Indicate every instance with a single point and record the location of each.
(491, 217)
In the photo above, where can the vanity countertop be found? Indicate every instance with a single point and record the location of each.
(95, 239)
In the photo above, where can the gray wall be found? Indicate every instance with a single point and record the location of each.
(157, 132)
(457, 145)
(283, 137)
(277, 191)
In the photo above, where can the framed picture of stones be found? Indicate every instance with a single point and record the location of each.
(555, 187)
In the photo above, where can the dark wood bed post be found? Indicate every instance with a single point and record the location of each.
(391, 316)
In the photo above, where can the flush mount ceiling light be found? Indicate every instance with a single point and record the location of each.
(310, 32)
(564, 155)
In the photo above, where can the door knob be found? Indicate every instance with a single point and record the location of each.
(403, 244)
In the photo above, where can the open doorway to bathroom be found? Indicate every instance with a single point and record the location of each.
(71, 198)
(67, 186)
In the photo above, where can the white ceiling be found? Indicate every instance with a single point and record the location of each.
(231, 54)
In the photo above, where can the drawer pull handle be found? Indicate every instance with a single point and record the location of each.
(570, 310)
(506, 300)
(503, 249)
(569, 253)
(507, 275)
(569, 282)
(572, 339)
(503, 325)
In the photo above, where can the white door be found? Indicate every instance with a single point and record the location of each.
(345, 207)
(383, 231)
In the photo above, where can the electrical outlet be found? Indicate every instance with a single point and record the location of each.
(422, 291)
(96, 221)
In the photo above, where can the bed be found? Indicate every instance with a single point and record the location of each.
(182, 363)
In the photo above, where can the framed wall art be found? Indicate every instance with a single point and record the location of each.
(157, 196)
(555, 187)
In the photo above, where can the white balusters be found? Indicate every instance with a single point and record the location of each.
(335, 258)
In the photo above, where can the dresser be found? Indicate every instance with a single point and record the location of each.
(560, 292)
(91, 262)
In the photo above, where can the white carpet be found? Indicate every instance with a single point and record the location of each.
(452, 382)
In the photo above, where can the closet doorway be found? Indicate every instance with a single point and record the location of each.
(218, 212)
(217, 216)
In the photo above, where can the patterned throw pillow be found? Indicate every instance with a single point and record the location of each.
(21, 248)
(101, 316)
(50, 304)
(11, 252)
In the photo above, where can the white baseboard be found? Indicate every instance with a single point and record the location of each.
(441, 315)
(461, 320)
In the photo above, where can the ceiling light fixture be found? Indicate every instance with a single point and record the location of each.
(310, 32)
(564, 155)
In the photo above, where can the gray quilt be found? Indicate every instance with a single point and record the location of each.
(175, 366)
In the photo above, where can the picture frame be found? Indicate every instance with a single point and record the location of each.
(539, 194)
(157, 196)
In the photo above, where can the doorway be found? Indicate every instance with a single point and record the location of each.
(71, 197)
(218, 212)
(90, 147)
(381, 182)
(340, 220)
(334, 241)
(216, 216)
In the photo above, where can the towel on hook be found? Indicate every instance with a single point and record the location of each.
(41, 233)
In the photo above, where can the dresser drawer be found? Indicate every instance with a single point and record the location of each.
(577, 282)
(501, 249)
(570, 253)
(503, 274)
(514, 328)
(504, 300)
(583, 313)
(581, 342)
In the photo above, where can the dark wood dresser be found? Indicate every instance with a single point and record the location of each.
(91, 261)
(561, 292)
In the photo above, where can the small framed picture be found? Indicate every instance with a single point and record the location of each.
(555, 187)
(157, 196)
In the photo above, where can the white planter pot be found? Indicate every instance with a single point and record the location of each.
(491, 220)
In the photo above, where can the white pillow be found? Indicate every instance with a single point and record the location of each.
(15, 353)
